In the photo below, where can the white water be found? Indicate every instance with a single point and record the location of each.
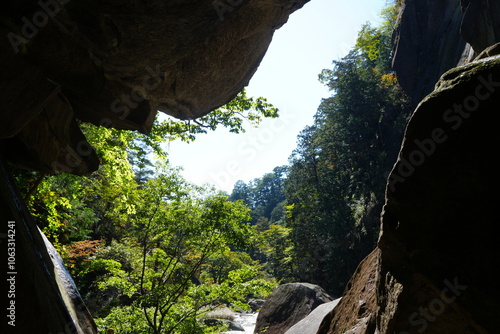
(247, 320)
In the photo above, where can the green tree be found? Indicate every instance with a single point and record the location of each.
(264, 196)
(98, 206)
(218, 267)
(146, 236)
(277, 248)
(336, 179)
(176, 237)
(232, 116)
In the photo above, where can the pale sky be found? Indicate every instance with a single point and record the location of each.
(314, 36)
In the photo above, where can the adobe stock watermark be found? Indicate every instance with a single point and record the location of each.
(30, 27)
(127, 102)
(73, 158)
(224, 6)
(435, 307)
(11, 273)
(249, 149)
(454, 117)
(121, 106)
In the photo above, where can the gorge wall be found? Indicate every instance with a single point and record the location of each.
(436, 260)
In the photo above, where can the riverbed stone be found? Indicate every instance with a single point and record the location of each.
(289, 304)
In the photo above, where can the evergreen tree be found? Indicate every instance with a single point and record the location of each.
(336, 180)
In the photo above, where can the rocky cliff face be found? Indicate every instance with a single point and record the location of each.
(438, 255)
(428, 43)
(437, 259)
(435, 36)
(115, 63)
(111, 63)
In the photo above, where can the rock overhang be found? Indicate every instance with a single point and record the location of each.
(116, 63)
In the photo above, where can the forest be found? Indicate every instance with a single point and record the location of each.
(152, 253)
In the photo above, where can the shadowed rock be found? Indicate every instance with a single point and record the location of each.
(287, 305)
(311, 322)
(42, 295)
(115, 63)
(438, 252)
(356, 310)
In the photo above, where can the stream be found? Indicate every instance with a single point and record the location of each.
(247, 320)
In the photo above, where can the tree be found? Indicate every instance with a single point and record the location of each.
(241, 192)
(318, 215)
(97, 206)
(231, 115)
(337, 173)
(277, 248)
(174, 273)
(154, 242)
(263, 195)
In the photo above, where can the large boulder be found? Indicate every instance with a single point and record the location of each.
(115, 63)
(287, 305)
(311, 323)
(438, 257)
(40, 296)
(436, 260)
(356, 310)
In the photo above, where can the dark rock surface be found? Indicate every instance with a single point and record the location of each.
(432, 37)
(312, 321)
(287, 305)
(428, 43)
(256, 304)
(115, 63)
(435, 267)
(357, 308)
(83, 320)
(438, 252)
(39, 292)
(481, 23)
